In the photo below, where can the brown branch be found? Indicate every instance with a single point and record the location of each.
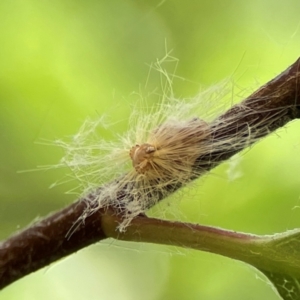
(269, 108)
(47, 241)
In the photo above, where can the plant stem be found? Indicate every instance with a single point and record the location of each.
(270, 107)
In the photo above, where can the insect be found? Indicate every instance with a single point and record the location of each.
(155, 157)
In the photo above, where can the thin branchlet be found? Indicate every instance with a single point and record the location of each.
(267, 109)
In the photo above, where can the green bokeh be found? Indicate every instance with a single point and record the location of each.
(62, 61)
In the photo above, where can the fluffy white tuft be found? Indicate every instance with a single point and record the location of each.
(155, 157)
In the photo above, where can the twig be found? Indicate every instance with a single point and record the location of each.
(270, 107)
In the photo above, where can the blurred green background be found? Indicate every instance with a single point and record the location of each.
(62, 61)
